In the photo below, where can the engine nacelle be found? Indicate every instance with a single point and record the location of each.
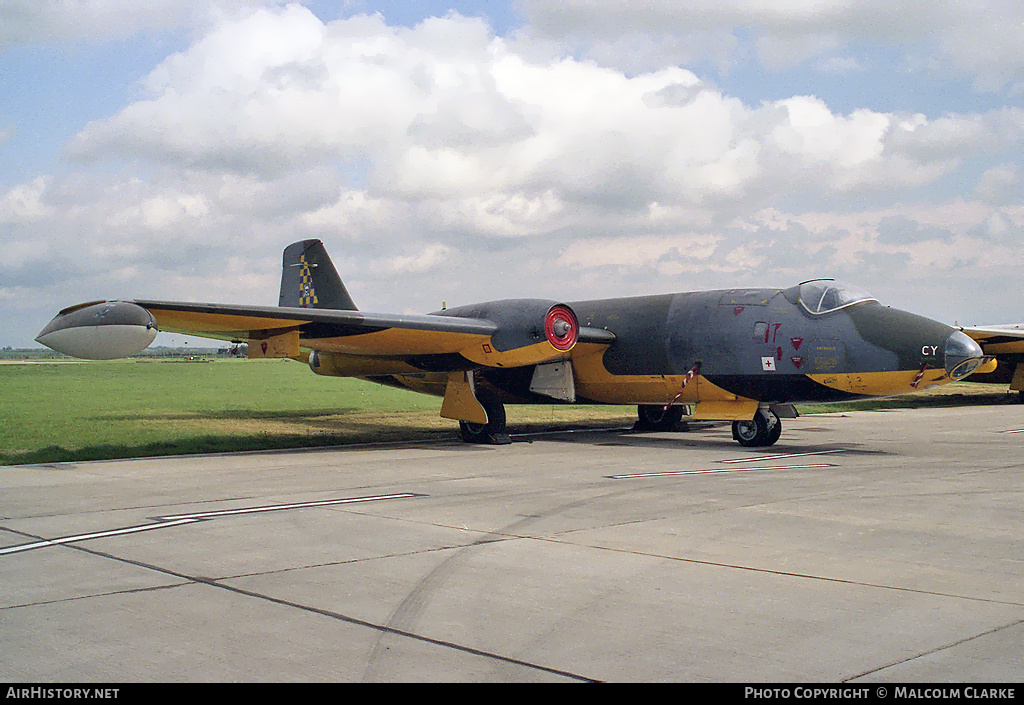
(331, 364)
(530, 331)
(100, 331)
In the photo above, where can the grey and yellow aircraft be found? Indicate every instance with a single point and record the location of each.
(740, 355)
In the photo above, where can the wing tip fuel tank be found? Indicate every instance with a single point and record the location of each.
(101, 331)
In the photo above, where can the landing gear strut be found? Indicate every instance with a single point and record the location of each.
(655, 417)
(492, 432)
(763, 430)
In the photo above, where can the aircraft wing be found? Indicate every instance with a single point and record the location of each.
(998, 339)
(507, 334)
(1005, 344)
(354, 332)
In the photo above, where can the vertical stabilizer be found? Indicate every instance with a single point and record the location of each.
(309, 279)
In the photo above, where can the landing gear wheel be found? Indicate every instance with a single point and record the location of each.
(655, 417)
(775, 432)
(763, 430)
(492, 432)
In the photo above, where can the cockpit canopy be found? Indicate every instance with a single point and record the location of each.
(821, 296)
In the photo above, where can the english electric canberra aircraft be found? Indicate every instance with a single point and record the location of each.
(740, 355)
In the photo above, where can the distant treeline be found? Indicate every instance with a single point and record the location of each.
(10, 353)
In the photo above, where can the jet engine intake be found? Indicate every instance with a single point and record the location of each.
(529, 331)
(561, 327)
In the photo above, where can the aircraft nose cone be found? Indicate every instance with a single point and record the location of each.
(963, 355)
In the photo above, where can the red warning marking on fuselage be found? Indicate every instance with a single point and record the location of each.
(738, 310)
(797, 361)
(797, 342)
(487, 348)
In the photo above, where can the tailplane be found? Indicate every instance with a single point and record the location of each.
(309, 279)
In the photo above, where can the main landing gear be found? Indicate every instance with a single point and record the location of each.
(655, 417)
(492, 432)
(763, 430)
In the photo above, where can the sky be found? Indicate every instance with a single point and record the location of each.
(457, 152)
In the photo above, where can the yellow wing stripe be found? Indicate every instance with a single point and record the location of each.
(218, 325)
(398, 341)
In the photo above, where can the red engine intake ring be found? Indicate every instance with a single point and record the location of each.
(561, 327)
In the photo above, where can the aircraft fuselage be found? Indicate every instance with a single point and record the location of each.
(750, 344)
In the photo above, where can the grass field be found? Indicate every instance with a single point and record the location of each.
(65, 411)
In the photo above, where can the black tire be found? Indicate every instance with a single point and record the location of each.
(762, 430)
(472, 432)
(655, 417)
(494, 430)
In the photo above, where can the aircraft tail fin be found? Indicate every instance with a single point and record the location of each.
(309, 279)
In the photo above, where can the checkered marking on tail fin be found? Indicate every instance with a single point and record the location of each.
(307, 294)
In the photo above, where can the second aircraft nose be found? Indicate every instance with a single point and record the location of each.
(962, 354)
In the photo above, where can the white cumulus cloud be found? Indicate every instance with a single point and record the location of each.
(447, 111)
